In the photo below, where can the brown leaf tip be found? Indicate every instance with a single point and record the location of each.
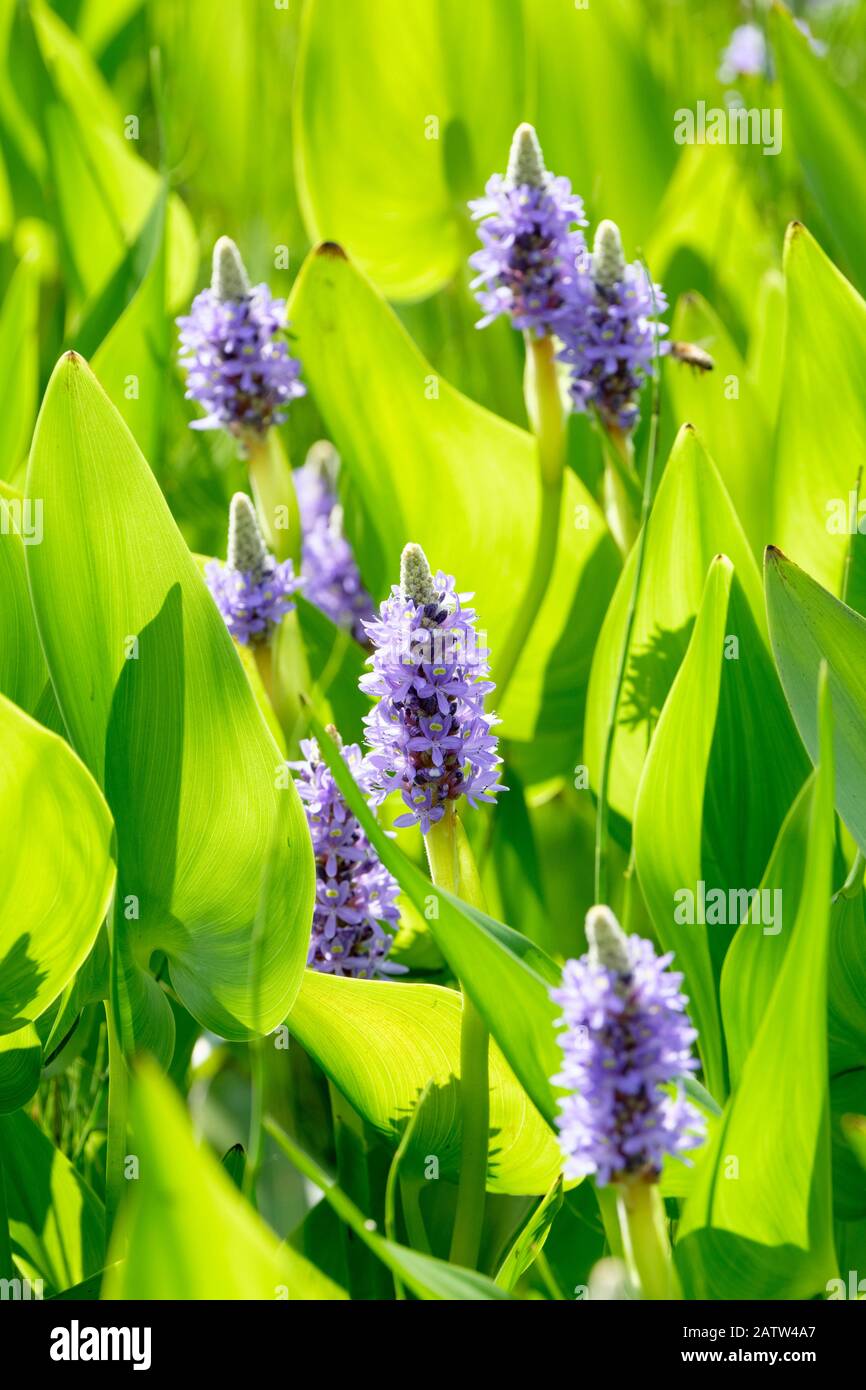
(332, 249)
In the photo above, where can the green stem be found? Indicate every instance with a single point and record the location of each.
(410, 1200)
(353, 1175)
(645, 1241)
(393, 1178)
(256, 1142)
(544, 407)
(445, 848)
(622, 495)
(118, 1108)
(601, 823)
(274, 495)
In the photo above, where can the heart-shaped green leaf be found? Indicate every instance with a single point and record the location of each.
(724, 405)
(507, 976)
(20, 357)
(435, 468)
(380, 1042)
(56, 887)
(828, 126)
(758, 1221)
(807, 626)
(821, 436)
(723, 767)
(56, 1223)
(448, 89)
(185, 1231)
(215, 864)
(692, 520)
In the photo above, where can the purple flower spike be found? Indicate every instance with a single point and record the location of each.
(611, 331)
(252, 591)
(626, 1035)
(355, 893)
(232, 348)
(429, 734)
(531, 244)
(332, 578)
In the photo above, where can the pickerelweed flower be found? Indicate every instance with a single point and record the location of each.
(355, 893)
(747, 54)
(611, 331)
(429, 734)
(234, 351)
(626, 1036)
(252, 590)
(332, 580)
(529, 223)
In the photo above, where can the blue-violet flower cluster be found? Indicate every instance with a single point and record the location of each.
(332, 580)
(429, 735)
(355, 893)
(252, 590)
(529, 223)
(233, 349)
(626, 1036)
(611, 335)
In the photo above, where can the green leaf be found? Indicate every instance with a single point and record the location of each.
(821, 436)
(763, 1230)
(56, 887)
(55, 1221)
(380, 1042)
(723, 767)
(597, 61)
(20, 357)
(424, 1275)
(828, 124)
(507, 976)
(388, 177)
(808, 626)
(736, 427)
(185, 1232)
(23, 673)
(20, 1066)
(692, 520)
(215, 864)
(461, 482)
(530, 1238)
(132, 360)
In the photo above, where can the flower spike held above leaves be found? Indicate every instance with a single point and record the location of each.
(233, 349)
(626, 1036)
(252, 590)
(430, 736)
(529, 224)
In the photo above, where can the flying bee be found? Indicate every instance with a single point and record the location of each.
(693, 356)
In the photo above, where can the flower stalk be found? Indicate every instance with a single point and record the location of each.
(446, 845)
(645, 1239)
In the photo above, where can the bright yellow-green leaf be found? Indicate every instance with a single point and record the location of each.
(435, 468)
(692, 521)
(215, 861)
(56, 886)
(381, 1041)
(186, 1232)
(758, 1223)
